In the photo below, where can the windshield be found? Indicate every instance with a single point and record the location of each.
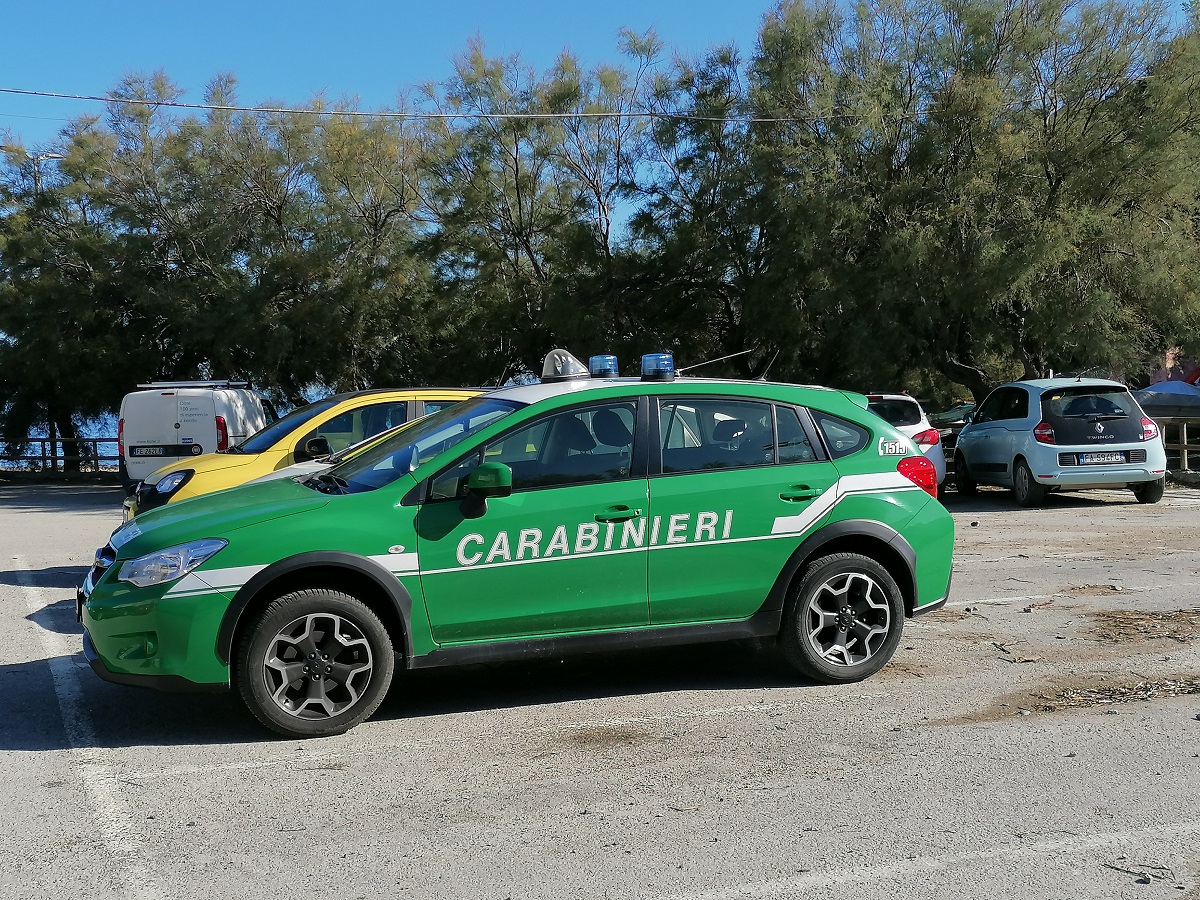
(264, 440)
(420, 442)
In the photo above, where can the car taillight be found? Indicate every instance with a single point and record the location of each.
(1044, 433)
(222, 434)
(1149, 429)
(920, 471)
(120, 437)
(931, 437)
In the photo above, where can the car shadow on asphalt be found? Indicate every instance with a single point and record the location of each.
(49, 577)
(999, 500)
(717, 667)
(66, 706)
(61, 498)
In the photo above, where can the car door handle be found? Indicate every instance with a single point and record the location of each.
(799, 492)
(618, 514)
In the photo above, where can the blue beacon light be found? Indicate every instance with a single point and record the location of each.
(603, 366)
(658, 367)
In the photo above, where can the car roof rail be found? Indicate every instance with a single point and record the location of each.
(211, 383)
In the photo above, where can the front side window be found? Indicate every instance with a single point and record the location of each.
(582, 445)
(356, 425)
(700, 435)
(990, 410)
(268, 437)
(420, 442)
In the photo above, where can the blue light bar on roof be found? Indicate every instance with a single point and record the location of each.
(658, 367)
(603, 366)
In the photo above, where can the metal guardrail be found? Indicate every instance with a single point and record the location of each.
(46, 455)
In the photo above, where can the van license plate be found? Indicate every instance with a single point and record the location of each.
(1096, 459)
(147, 451)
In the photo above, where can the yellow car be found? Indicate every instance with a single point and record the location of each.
(317, 429)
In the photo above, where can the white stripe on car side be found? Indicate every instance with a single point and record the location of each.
(843, 487)
(232, 579)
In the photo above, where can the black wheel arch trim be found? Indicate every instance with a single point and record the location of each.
(386, 580)
(843, 529)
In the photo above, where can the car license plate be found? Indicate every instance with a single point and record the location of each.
(1096, 459)
(147, 451)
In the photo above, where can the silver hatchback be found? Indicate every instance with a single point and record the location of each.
(1061, 434)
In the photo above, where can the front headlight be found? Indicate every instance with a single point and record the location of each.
(169, 483)
(167, 565)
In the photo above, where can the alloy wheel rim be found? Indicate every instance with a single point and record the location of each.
(318, 666)
(848, 619)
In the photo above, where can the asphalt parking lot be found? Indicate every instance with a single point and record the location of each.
(1039, 737)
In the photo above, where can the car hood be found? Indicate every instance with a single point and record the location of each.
(214, 515)
(294, 470)
(209, 462)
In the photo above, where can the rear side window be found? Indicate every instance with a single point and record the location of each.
(842, 437)
(701, 435)
(794, 445)
(896, 412)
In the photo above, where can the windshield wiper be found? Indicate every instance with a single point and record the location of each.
(326, 483)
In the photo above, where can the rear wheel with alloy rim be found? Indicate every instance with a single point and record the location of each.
(844, 619)
(1026, 488)
(314, 662)
(1150, 491)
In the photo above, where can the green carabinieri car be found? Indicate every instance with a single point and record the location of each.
(581, 514)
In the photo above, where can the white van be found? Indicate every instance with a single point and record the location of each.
(171, 420)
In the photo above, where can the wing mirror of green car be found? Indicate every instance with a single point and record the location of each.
(489, 479)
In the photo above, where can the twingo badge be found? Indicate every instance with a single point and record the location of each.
(892, 448)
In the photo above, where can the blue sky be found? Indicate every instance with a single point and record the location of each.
(289, 51)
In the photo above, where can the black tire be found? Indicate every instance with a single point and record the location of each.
(843, 620)
(314, 662)
(963, 482)
(1150, 491)
(1025, 487)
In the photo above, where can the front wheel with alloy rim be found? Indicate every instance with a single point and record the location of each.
(1026, 488)
(1150, 491)
(314, 662)
(843, 621)
(963, 482)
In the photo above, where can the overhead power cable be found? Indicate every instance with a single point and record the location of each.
(388, 114)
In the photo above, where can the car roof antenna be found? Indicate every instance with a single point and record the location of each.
(762, 376)
(709, 362)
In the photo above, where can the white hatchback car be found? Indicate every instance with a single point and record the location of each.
(1061, 434)
(906, 415)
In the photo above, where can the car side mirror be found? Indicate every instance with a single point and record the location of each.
(489, 479)
(317, 446)
(967, 418)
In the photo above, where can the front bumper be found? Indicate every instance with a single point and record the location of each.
(170, 683)
(147, 637)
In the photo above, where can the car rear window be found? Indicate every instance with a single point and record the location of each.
(1090, 415)
(896, 412)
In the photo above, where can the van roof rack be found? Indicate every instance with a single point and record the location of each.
(212, 383)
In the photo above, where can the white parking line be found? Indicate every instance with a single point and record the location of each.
(910, 869)
(113, 826)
